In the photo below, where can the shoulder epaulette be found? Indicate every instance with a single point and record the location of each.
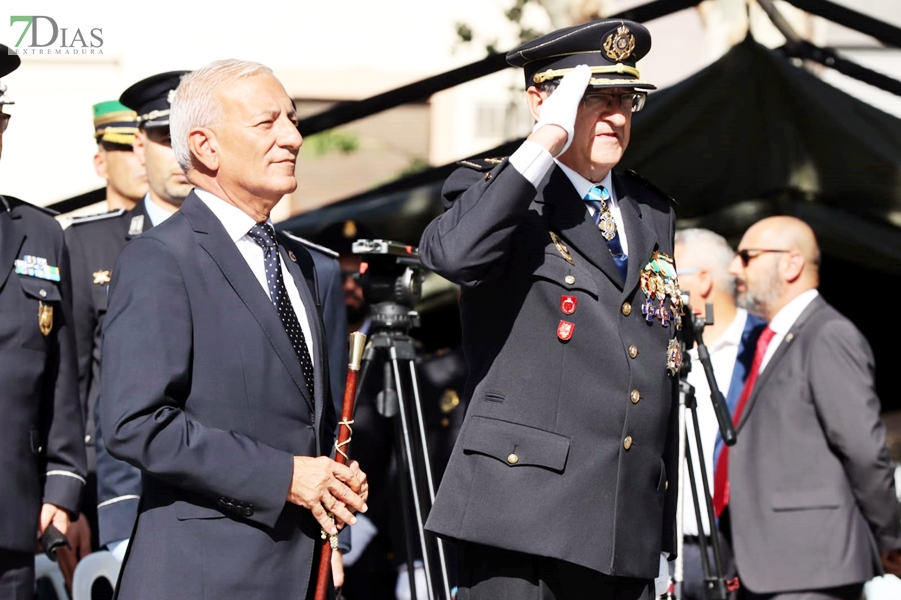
(327, 251)
(98, 217)
(11, 201)
(638, 178)
(481, 164)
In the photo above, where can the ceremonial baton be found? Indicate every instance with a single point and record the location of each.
(357, 341)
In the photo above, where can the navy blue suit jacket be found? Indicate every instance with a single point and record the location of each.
(214, 415)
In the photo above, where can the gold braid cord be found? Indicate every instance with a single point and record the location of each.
(333, 538)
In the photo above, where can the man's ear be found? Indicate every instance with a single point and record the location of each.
(204, 147)
(793, 266)
(100, 163)
(534, 98)
(138, 146)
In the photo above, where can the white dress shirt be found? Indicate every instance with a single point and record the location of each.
(783, 321)
(723, 354)
(237, 223)
(156, 214)
(533, 162)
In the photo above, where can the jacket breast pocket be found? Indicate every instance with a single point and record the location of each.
(569, 277)
(40, 310)
(822, 499)
(516, 445)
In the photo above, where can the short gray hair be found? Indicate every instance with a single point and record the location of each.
(709, 251)
(195, 104)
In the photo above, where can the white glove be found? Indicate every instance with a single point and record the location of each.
(661, 583)
(561, 106)
(402, 588)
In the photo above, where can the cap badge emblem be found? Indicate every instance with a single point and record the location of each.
(618, 46)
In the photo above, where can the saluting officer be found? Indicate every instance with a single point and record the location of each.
(563, 476)
(42, 460)
(94, 244)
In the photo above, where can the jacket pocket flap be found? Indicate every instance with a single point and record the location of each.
(185, 511)
(806, 499)
(555, 269)
(40, 289)
(516, 445)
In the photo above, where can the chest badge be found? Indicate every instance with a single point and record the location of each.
(561, 248)
(102, 277)
(674, 357)
(565, 330)
(45, 318)
(659, 284)
(568, 304)
(35, 266)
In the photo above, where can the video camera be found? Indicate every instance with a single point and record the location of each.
(391, 277)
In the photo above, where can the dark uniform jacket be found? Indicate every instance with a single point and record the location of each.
(42, 456)
(568, 446)
(94, 243)
(812, 496)
(213, 416)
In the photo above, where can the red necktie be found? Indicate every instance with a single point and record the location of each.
(721, 472)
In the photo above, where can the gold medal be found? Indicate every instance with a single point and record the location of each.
(45, 318)
(561, 247)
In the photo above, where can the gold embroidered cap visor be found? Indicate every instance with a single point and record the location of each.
(150, 98)
(610, 47)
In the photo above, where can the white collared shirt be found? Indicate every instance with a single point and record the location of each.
(237, 223)
(784, 320)
(156, 214)
(723, 354)
(533, 161)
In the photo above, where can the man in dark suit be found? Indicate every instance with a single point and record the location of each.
(810, 488)
(227, 410)
(563, 476)
(42, 461)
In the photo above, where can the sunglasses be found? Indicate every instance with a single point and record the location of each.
(749, 253)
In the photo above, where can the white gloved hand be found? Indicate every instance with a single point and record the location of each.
(561, 106)
(402, 587)
(661, 582)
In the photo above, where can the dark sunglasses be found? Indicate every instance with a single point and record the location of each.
(746, 255)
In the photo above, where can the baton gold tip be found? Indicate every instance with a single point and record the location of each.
(357, 344)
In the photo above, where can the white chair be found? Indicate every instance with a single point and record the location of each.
(46, 568)
(91, 568)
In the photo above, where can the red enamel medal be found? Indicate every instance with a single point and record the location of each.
(565, 330)
(568, 304)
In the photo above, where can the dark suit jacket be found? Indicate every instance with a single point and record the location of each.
(575, 491)
(41, 435)
(203, 392)
(812, 495)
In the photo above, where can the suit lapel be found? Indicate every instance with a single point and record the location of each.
(304, 273)
(773, 365)
(216, 242)
(569, 217)
(10, 243)
(642, 238)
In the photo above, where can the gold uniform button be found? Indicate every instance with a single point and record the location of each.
(627, 309)
(633, 351)
(569, 279)
(627, 443)
(635, 396)
(512, 459)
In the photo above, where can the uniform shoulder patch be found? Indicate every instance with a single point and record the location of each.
(9, 202)
(98, 217)
(481, 164)
(634, 176)
(327, 251)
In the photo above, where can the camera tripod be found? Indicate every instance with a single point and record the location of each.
(391, 347)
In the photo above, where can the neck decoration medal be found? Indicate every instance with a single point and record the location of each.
(659, 283)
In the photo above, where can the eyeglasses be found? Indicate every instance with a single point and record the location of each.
(4, 122)
(746, 256)
(603, 101)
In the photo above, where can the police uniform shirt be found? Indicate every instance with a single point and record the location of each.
(156, 214)
(533, 161)
(723, 354)
(237, 223)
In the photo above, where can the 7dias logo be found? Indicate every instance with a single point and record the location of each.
(47, 37)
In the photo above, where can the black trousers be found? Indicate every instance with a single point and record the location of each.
(846, 592)
(488, 573)
(16, 575)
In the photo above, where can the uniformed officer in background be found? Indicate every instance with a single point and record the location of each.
(115, 126)
(94, 244)
(563, 476)
(42, 457)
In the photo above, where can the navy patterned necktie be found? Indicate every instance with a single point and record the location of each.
(597, 197)
(264, 236)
